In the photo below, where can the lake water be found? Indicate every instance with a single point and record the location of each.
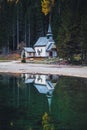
(42, 102)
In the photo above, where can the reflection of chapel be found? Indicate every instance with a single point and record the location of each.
(43, 85)
(44, 46)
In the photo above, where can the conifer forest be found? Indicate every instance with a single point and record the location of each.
(24, 21)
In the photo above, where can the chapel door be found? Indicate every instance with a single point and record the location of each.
(50, 53)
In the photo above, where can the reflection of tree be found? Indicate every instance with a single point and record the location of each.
(21, 83)
(47, 122)
(30, 129)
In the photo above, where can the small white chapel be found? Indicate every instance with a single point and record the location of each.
(44, 47)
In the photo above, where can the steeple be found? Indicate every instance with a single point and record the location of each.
(49, 102)
(49, 98)
(49, 29)
(49, 33)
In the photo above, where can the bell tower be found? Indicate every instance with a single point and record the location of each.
(49, 33)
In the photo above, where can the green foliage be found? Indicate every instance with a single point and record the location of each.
(68, 19)
(71, 38)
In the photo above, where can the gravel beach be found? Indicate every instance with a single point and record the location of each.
(64, 70)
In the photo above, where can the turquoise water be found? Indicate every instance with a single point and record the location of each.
(43, 102)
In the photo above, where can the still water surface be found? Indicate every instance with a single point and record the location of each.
(42, 102)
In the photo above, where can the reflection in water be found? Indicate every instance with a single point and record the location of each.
(47, 122)
(45, 84)
(42, 102)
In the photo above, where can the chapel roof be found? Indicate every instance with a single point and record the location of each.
(45, 88)
(29, 49)
(49, 47)
(31, 80)
(42, 41)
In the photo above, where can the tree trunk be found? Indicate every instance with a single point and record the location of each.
(13, 37)
(29, 36)
(17, 26)
(25, 40)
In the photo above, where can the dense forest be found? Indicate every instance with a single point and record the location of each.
(23, 21)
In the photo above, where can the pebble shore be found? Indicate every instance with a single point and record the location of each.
(64, 70)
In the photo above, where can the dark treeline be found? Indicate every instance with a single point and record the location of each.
(22, 21)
